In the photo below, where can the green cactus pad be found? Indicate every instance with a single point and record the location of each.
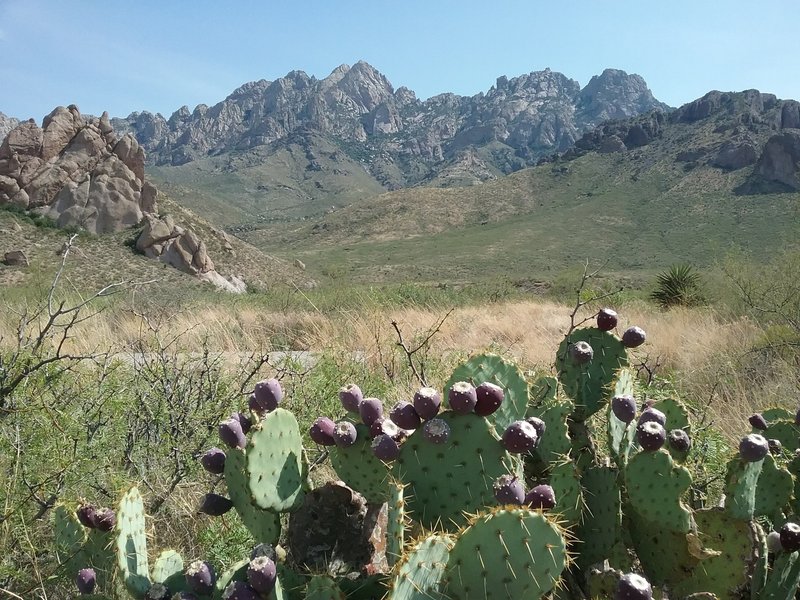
(395, 523)
(650, 541)
(360, 469)
(566, 483)
(729, 550)
(601, 585)
(263, 525)
(774, 490)
(275, 467)
(759, 578)
(601, 528)
(621, 437)
(492, 368)
(131, 543)
(420, 574)
(786, 432)
(506, 553)
(168, 569)
(293, 583)
(741, 483)
(542, 391)
(590, 385)
(555, 443)
(446, 480)
(677, 418)
(322, 587)
(655, 487)
(784, 578)
(70, 537)
(236, 572)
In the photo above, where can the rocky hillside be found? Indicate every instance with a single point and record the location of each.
(6, 125)
(399, 139)
(642, 193)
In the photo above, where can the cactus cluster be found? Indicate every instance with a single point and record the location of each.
(499, 485)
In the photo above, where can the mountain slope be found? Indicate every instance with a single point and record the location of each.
(683, 188)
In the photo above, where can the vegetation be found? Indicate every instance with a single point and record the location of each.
(679, 286)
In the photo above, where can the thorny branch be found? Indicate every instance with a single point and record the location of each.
(419, 373)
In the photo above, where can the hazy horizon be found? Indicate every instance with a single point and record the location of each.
(159, 58)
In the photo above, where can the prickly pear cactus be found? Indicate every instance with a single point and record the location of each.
(590, 384)
(741, 484)
(621, 436)
(542, 391)
(494, 369)
(131, 544)
(655, 487)
(396, 523)
(263, 525)
(360, 469)
(506, 553)
(781, 427)
(420, 575)
(445, 481)
(784, 578)
(566, 483)
(168, 570)
(276, 467)
(322, 587)
(600, 532)
(555, 443)
(79, 548)
(774, 489)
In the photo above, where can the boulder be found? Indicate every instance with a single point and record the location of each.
(24, 140)
(780, 160)
(148, 201)
(15, 258)
(132, 154)
(59, 127)
(790, 115)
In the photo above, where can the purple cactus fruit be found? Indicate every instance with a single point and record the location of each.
(790, 537)
(105, 519)
(519, 437)
(239, 590)
(213, 461)
(539, 425)
(624, 408)
(388, 427)
(436, 431)
(200, 577)
(350, 396)
(261, 574)
(633, 587)
(385, 448)
(775, 447)
(370, 409)
(633, 337)
(230, 432)
(86, 580)
(321, 431)
(244, 421)
(508, 490)
(757, 421)
(490, 397)
(345, 434)
(157, 591)
(404, 415)
(753, 448)
(86, 514)
(215, 505)
(581, 353)
(462, 398)
(679, 440)
(774, 542)
(653, 414)
(268, 395)
(651, 436)
(427, 402)
(542, 496)
(606, 319)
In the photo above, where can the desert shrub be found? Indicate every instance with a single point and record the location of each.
(678, 286)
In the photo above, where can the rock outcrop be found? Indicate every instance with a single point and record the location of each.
(6, 125)
(401, 139)
(76, 171)
(780, 160)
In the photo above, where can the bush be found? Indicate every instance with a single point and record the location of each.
(678, 286)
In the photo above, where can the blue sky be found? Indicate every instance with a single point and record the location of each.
(158, 55)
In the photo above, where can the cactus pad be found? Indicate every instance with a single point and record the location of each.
(360, 469)
(730, 553)
(395, 523)
(263, 525)
(542, 391)
(555, 442)
(655, 487)
(774, 490)
(621, 436)
(784, 578)
(741, 483)
(276, 469)
(590, 384)
(446, 480)
(786, 432)
(322, 587)
(168, 569)
(132, 543)
(421, 572)
(677, 418)
(494, 369)
(601, 529)
(506, 553)
(566, 483)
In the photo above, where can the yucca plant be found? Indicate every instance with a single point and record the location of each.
(678, 286)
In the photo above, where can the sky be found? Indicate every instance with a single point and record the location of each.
(158, 55)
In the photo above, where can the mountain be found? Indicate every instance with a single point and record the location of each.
(6, 125)
(354, 120)
(641, 193)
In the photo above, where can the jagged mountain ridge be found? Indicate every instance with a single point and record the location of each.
(400, 140)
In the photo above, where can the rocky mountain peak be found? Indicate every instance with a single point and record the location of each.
(6, 125)
(615, 94)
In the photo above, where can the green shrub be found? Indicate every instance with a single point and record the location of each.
(678, 286)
